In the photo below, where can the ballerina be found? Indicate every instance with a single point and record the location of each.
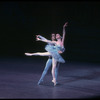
(52, 51)
(48, 64)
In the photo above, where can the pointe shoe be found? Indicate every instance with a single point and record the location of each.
(28, 54)
(55, 83)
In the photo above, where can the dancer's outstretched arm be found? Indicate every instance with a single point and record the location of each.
(43, 39)
(63, 37)
(40, 37)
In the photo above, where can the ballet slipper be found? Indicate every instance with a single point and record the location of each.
(28, 54)
(54, 81)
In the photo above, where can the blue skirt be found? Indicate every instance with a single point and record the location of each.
(54, 53)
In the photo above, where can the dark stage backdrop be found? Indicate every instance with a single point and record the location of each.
(21, 21)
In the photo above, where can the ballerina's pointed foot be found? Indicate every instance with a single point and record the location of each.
(28, 54)
(55, 83)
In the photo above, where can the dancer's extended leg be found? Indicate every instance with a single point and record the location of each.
(38, 54)
(56, 71)
(48, 65)
(54, 64)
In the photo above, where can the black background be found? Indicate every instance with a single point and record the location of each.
(20, 21)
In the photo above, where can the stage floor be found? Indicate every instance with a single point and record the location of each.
(19, 77)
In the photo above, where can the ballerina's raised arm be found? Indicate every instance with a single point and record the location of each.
(43, 39)
(63, 37)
